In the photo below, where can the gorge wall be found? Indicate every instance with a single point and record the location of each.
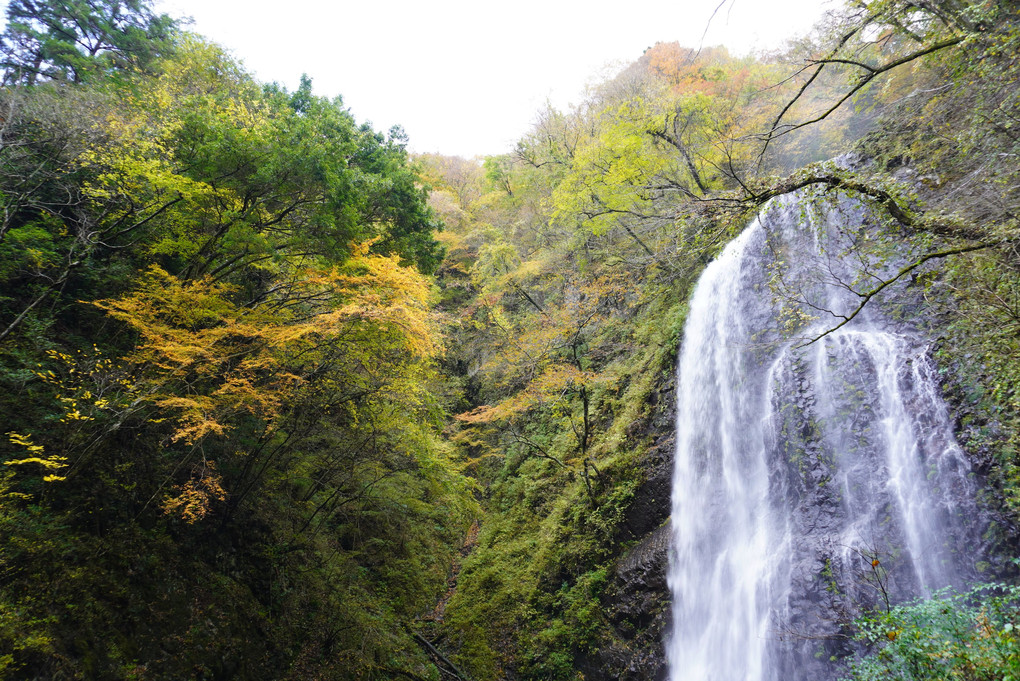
(816, 470)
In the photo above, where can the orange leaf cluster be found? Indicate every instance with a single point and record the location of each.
(210, 360)
(549, 387)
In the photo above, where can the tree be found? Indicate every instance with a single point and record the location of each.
(217, 360)
(871, 39)
(75, 40)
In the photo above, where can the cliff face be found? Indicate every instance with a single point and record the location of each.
(820, 477)
(568, 417)
(637, 602)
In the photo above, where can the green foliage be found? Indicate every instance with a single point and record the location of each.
(974, 636)
(77, 40)
(567, 346)
(223, 382)
(222, 454)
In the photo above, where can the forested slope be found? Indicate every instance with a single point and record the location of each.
(221, 429)
(254, 399)
(571, 258)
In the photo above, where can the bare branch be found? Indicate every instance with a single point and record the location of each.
(882, 197)
(432, 649)
(804, 88)
(866, 297)
(873, 72)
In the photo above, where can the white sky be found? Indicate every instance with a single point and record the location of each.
(466, 77)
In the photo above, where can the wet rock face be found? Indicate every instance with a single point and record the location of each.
(866, 493)
(637, 607)
(636, 603)
(650, 506)
(814, 477)
(979, 431)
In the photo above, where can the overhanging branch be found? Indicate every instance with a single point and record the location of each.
(866, 297)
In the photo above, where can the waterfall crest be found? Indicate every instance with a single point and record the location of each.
(810, 480)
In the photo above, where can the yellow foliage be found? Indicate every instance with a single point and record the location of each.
(192, 501)
(378, 289)
(88, 385)
(548, 388)
(24, 441)
(49, 463)
(209, 360)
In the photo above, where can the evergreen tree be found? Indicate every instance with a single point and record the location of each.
(73, 40)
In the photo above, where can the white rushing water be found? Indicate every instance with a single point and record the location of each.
(808, 478)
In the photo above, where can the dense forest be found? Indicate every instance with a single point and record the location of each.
(280, 400)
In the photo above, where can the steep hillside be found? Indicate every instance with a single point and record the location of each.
(281, 401)
(572, 259)
(222, 448)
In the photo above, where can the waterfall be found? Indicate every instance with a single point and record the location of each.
(811, 479)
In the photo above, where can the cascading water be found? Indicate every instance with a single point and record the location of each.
(811, 479)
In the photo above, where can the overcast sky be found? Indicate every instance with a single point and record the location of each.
(466, 77)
